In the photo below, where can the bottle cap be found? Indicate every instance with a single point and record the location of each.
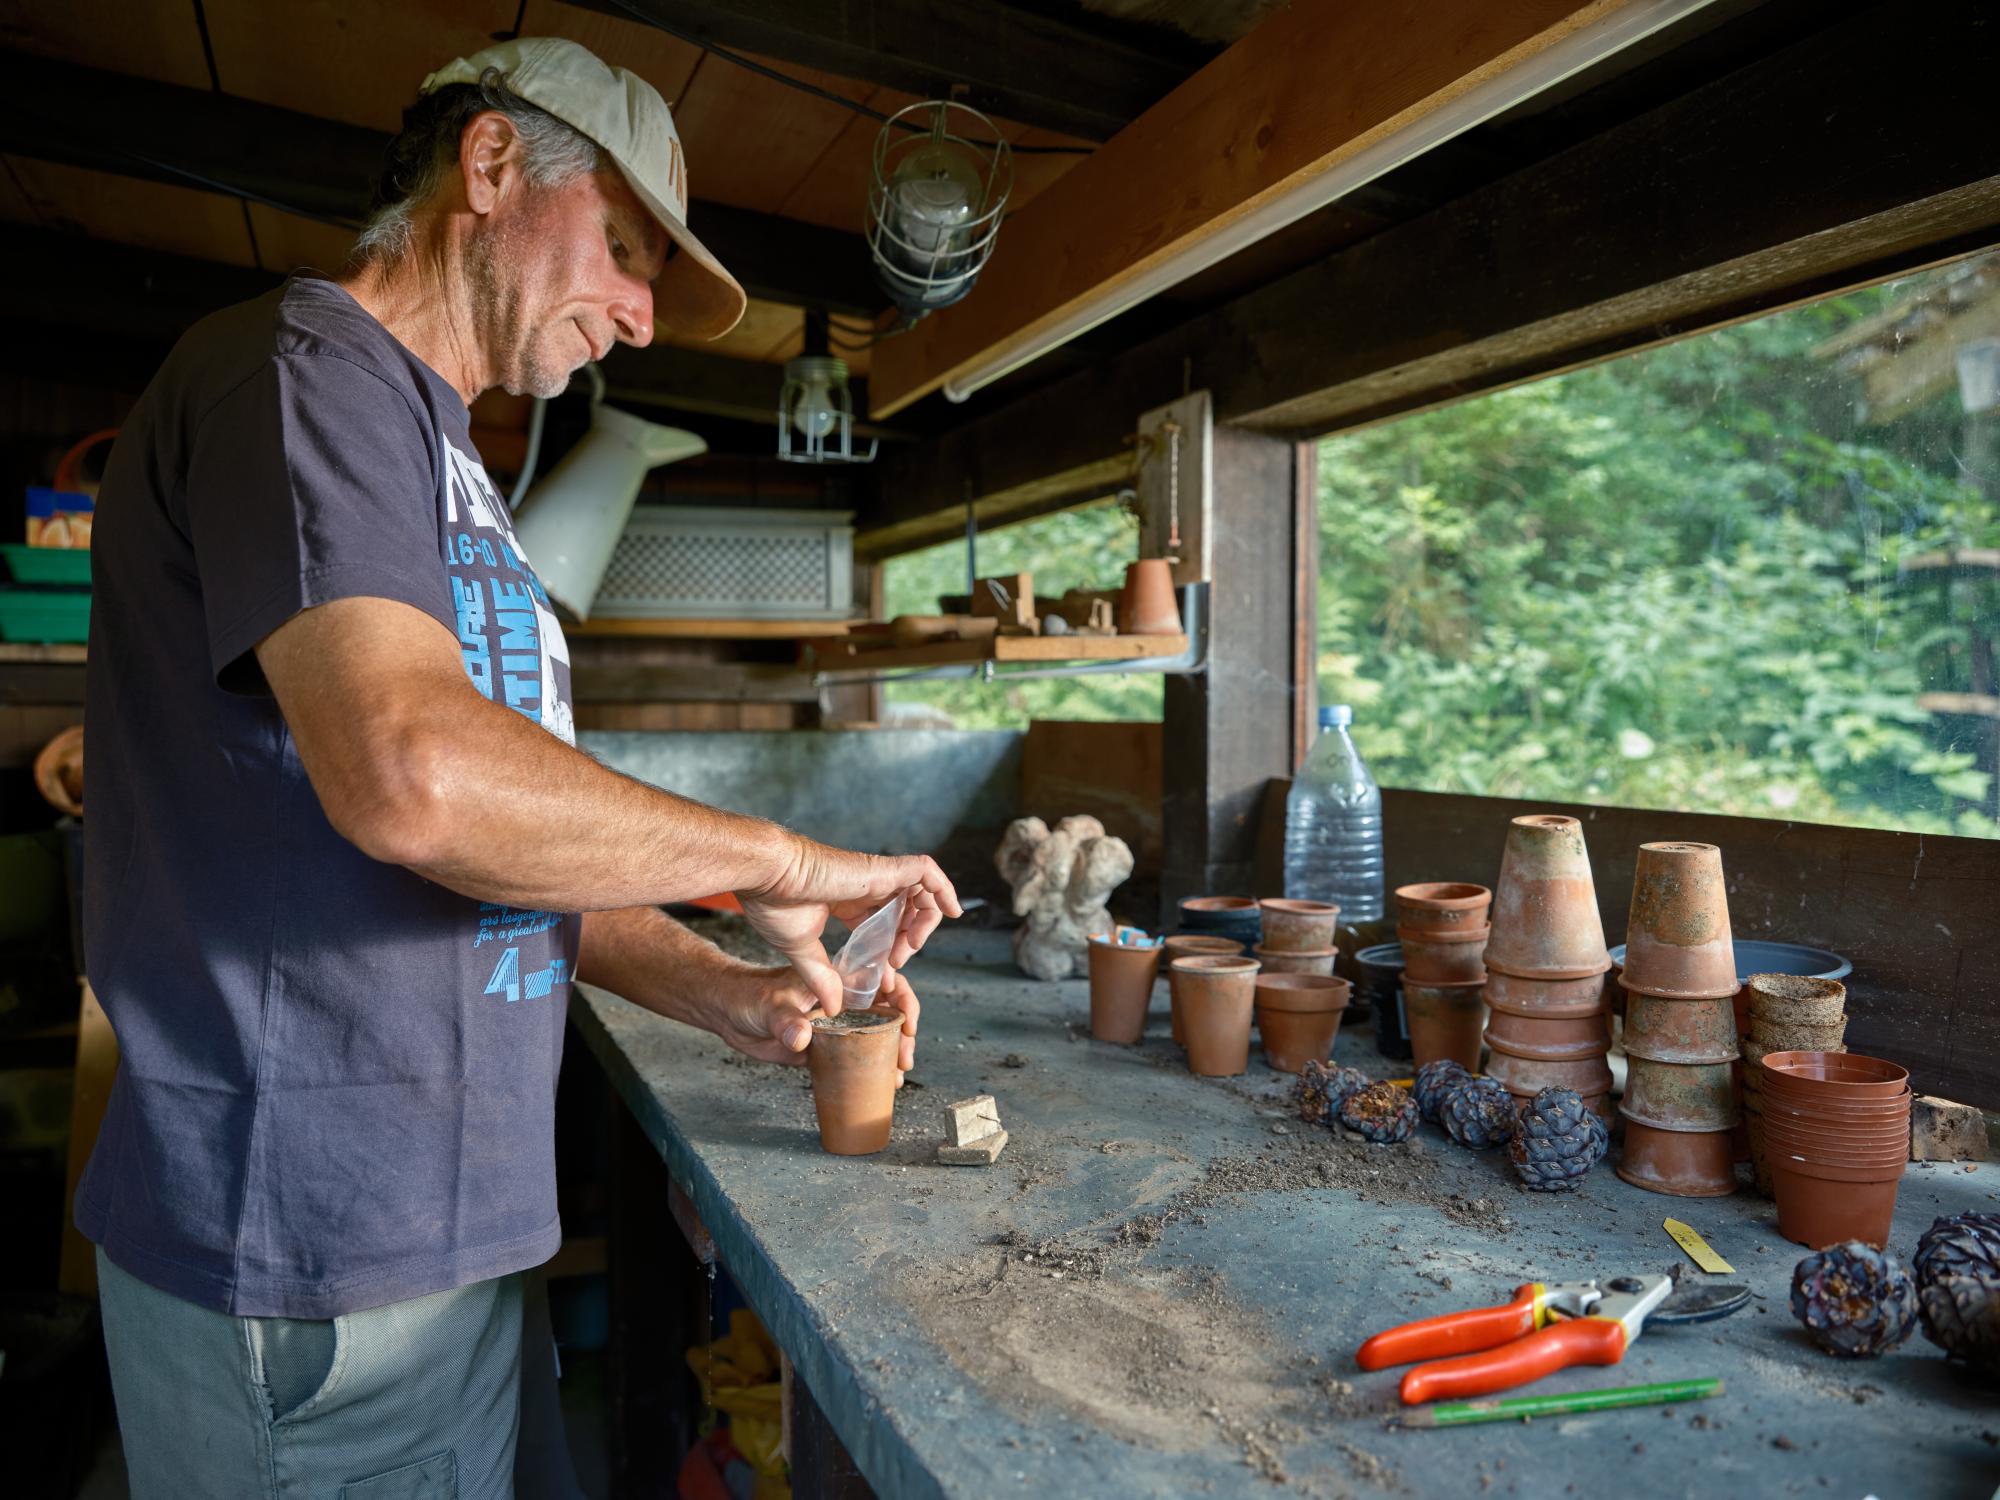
(1336, 716)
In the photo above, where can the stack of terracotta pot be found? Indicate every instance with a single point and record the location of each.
(1297, 936)
(1680, 1025)
(1836, 1128)
(1545, 966)
(1443, 927)
(1788, 1013)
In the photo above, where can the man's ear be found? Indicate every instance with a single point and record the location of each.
(489, 160)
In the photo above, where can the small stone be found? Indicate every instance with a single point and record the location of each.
(971, 1119)
(1941, 1130)
(981, 1153)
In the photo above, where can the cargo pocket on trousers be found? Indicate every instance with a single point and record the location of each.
(433, 1478)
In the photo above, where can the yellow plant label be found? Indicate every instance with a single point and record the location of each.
(1696, 1247)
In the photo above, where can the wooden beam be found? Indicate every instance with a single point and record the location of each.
(1008, 61)
(324, 168)
(1709, 209)
(1312, 87)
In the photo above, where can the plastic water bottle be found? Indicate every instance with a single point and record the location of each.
(1333, 826)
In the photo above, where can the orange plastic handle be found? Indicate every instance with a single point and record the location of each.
(1579, 1341)
(1453, 1333)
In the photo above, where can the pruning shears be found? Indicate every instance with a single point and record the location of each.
(1549, 1326)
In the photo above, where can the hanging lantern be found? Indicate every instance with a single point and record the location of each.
(936, 196)
(815, 407)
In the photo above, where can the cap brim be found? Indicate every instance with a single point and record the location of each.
(694, 293)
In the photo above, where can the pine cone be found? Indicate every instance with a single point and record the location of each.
(1556, 1141)
(1381, 1112)
(1479, 1113)
(1854, 1299)
(1322, 1087)
(1961, 1315)
(1959, 1245)
(1434, 1080)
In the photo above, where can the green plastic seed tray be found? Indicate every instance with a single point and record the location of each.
(27, 615)
(60, 565)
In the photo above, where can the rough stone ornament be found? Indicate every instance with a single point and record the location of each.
(1061, 880)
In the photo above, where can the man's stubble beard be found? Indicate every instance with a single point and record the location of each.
(499, 306)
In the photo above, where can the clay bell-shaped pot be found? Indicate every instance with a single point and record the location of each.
(1218, 996)
(1525, 1077)
(1441, 908)
(1679, 1096)
(1446, 1020)
(1319, 962)
(1457, 959)
(1546, 997)
(1549, 1038)
(1121, 989)
(1679, 1163)
(1677, 940)
(1680, 1031)
(1147, 606)
(1298, 1016)
(1796, 1000)
(1545, 921)
(852, 1060)
(1292, 926)
(1190, 945)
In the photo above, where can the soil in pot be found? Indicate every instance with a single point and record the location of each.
(1680, 1163)
(1218, 996)
(1121, 990)
(1796, 998)
(852, 1060)
(1320, 963)
(1298, 926)
(1680, 1031)
(1458, 959)
(1440, 908)
(1679, 1096)
(1446, 1021)
(1677, 938)
(1545, 922)
(1546, 997)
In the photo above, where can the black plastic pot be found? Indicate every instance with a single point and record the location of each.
(1379, 976)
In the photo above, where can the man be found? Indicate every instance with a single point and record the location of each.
(339, 836)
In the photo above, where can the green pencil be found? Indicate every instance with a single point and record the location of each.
(1521, 1408)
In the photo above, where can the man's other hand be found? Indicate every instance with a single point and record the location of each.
(763, 1013)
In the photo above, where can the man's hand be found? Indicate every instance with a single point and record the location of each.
(762, 1014)
(790, 913)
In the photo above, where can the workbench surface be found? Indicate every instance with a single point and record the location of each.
(1159, 1287)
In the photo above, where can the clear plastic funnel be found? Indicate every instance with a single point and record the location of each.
(865, 954)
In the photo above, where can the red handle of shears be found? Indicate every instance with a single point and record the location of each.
(1577, 1341)
(1452, 1333)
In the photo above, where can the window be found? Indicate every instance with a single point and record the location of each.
(1086, 548)
(1756, 571)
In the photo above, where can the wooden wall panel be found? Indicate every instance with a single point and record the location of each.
(150, 38)
(666, 62)
(187, 221)
(285, 242)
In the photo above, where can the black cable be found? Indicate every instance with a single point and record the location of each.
(694, 39)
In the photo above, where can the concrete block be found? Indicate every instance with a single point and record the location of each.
(1941, 1130)
(971, 1119)
(981, 1153)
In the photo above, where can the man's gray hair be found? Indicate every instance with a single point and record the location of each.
(554, 154)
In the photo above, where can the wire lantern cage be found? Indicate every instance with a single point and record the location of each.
(936, 195)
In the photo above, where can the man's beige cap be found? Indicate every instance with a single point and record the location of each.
(627, 117)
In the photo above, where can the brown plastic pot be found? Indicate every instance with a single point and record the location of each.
(1796, 999)
(1440, 908)
(1677, 939)
(1679, 1163)
(1679, 1096)
(852, 1060)
(1796, 1036)
(1298, 1017)
(1548, 1038)
(1320, 962)
(1458, 959)
(1445, 1021)
(1217, 997)
(1546, 997)
(1189, 945)
(1817, 1208)
(1680, 1031)
(1823, 1152)
(1121, 990)
(1298, 926)
(1834, 1110)
(1545, 922)
(1147, 606)
(1844, 1128)
(1838, 1075)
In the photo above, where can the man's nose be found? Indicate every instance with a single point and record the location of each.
(632, 314)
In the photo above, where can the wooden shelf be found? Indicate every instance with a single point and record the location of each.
(714, 630)
(34, 654)
(1044, 649)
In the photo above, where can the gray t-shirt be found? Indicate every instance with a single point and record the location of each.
(337, 1079)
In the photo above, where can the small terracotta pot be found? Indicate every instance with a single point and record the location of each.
(1680, 1163)
(1677, 939)
(1298, 926)
(1795, 1036)
(1679, 1096)
(1458, 959)
(1795, 998)
(1545, 921)
(1297, 963)
(1817, 1209)
(1298, 1017)
(1147, 606)
(1121, 990)
(1217, 997)
(1680, 1031)
(852, 1060)
(1189, 945)
(1837, 1075)
(1524, 1077)
(1445, 1021)
(1199, 912)
(1546, 997)
(1440, 908)
(1549, 1038)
